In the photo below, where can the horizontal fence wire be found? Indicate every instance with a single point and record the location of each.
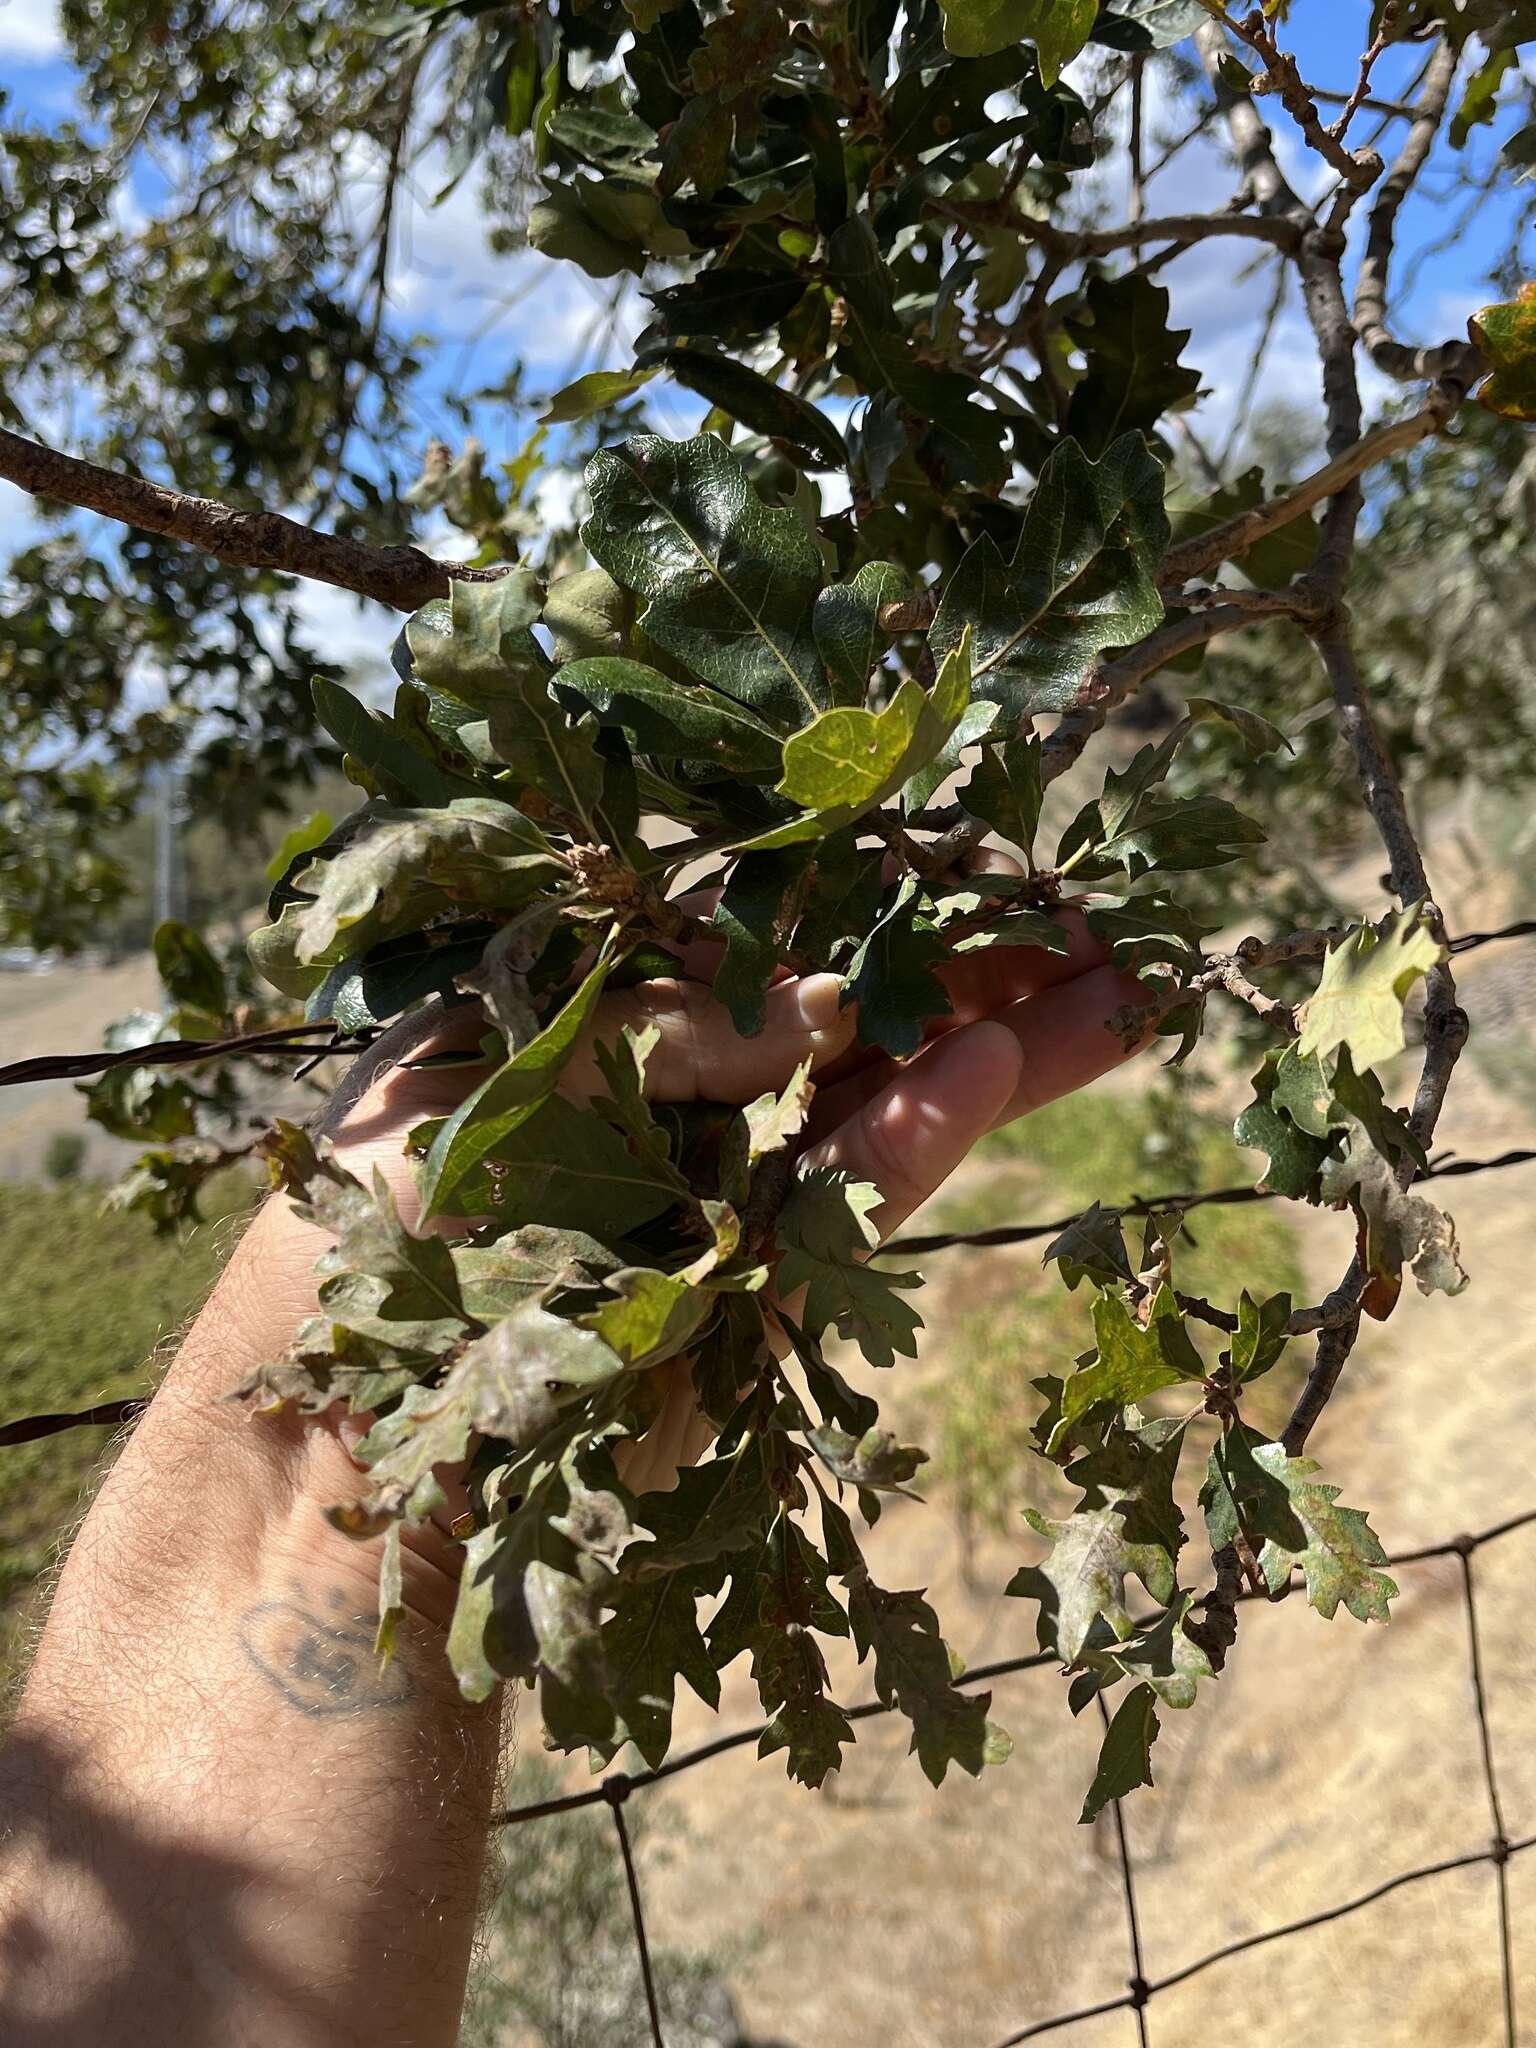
(1446, 1168)
(1141, 1990)
(114, 1414)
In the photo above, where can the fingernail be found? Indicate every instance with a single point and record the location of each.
(818, 1001)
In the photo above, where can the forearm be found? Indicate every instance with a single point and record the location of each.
(224, 1820)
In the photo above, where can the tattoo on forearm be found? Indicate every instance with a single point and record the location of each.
(321, 1666)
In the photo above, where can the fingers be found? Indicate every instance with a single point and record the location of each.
(984, 984)
(698, 1055)
(912, 1135)
(1064, 1038)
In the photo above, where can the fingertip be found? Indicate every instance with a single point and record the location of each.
(811, 1009)
(979, 1067)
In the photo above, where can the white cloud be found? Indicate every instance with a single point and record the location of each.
(351, 631)
(19, 523)
(30, 32)
(448, 276)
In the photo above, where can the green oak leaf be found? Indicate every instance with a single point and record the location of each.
(777, 1600)
(596, 392)
(1163, 1655)
(491, 661)
(653, 1315)
(1291, 1521)
(848, 761)
(190, 976)
(649, 1642)
(754, 912)
(825, 1234)
(1361, 1097)
(1294, 1153)
(984, 28)
(1275, 559)
(562, 1166)
(891, 976)
(588, 615)
(727, 583)
(846, 622)
(304, 837)
(1082, 578)
(561, 227)
(1133, 1470)
(383, 750)
(369, 988)
(622, 1067)
(774, 1119)
(1125, 1759)
(1260, 1337)
(762, 406)
(917, 404)
(977, 722)
(1358, 1002)
(841, 903)
(1131, 1360)
(812, 1729)
(1134, 374)
(1021, 927)
(913, 1672)
(1177, 835)
(1005, 790)
(492, 1112)
(1148, 930)
(833, 1396)
(1091, 1247)
(687, 720)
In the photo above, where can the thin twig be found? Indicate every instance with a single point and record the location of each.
(1111, 682)
(1458, 361)
(1229, 541)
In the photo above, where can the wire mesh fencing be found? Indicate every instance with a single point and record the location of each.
(1141, 1988)
(1141, 1985)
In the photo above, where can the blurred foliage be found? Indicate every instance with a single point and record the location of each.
(86, 1296)
(559, 1967)
(1003, 1321)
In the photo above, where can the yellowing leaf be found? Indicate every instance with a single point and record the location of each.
(983, 28)
(1506, 334)
(1359, 1001)
(848, 760)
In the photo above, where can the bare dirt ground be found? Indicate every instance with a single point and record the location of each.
(62, 1011)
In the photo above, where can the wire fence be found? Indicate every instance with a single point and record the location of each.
(116, 1414)
(1141, 1989)
(618, 1786)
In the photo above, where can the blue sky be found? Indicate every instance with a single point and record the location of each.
(447, 282)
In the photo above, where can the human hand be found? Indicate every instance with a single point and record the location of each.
(1026, 1026)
